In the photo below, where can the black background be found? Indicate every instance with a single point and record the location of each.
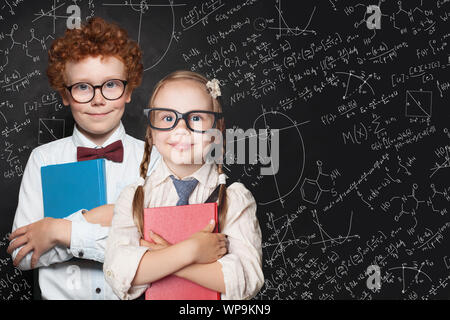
(362, 114)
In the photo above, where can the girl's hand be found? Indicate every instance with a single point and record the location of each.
(39, 237)
(208, 246)
(158, 242)
(100, 215)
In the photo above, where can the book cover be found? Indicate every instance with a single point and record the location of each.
(175, 224)
(69, 187)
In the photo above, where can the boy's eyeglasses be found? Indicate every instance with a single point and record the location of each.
(196, 120)
(83, 92)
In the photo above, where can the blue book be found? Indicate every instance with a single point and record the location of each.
(69, 187)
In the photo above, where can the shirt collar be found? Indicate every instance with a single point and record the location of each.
(207, 174)
(80, 140)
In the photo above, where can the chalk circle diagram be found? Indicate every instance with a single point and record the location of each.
(149, 23)
(276, 188)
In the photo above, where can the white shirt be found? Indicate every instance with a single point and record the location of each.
(60, 275)
(241, 266)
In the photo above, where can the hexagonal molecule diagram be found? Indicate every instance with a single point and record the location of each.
(312, 189)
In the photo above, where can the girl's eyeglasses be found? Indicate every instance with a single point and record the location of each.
(196, 120)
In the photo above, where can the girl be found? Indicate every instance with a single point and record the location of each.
(178, 133)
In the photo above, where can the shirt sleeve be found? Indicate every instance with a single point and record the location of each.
(242, 265)
(30, 209)
(88, 240)
(123, 251)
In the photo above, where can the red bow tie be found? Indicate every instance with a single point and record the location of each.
(113, 152)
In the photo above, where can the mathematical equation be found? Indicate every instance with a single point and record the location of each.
(359, 208)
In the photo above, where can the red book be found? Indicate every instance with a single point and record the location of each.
(175, 224)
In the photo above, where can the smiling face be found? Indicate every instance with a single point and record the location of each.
(182, 149)
(98, 118)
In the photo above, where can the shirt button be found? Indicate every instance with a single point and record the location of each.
(80, 254)
(98, 290)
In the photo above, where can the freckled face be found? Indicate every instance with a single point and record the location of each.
(98, 118)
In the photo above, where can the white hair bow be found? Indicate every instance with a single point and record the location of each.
(223, 178)
(213, 88)
(140, 181)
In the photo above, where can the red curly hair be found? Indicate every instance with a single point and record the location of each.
(95, 38)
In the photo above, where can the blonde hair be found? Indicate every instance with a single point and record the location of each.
(138, 200)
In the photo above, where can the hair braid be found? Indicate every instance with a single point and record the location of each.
(222, 205)
(138, 200)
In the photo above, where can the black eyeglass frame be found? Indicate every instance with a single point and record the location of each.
(124, 82)
(184, 116)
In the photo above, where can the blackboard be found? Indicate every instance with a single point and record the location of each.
(358, 92)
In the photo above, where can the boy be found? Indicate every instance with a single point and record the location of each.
(95, 69)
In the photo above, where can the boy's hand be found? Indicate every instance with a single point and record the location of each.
(44, 234)
(158, 242)
(208, 246)
(39, 237)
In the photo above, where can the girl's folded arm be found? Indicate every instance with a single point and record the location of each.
(207, 275)
(157, 264)
(203, 247)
